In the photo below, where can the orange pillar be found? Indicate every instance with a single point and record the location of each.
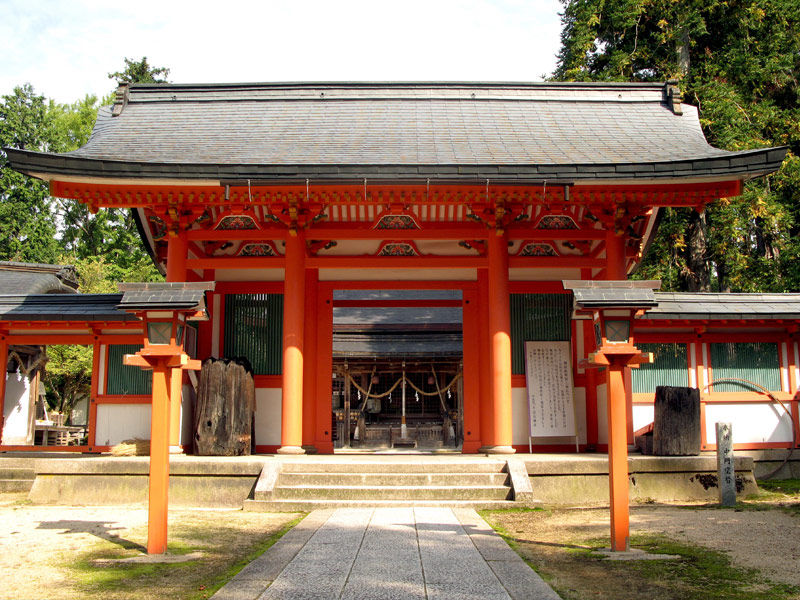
(472, 417)
(500, 345)
(615, 257)
(324, 368)
(177, 252)
(310, 357)
(158, 490)
(485, 404)
(616, 270)
(618, 459)
(293, 315)
(4, 363)
(592, 428)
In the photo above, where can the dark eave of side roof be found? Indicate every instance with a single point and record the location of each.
(63, 307)
(708, 306)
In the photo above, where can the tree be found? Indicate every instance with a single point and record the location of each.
(27, 223)
(739, 63)
(140, 72)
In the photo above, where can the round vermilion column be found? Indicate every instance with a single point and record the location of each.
(615, 257)
(293, 314)
(177, 253)
(616, 271)
(499, 345)
(158, 483)
(3, 377)
(618, 459)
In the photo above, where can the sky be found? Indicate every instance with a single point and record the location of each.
(65, 49)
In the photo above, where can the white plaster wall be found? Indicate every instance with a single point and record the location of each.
(751, 422)
(18, 411)
(248, 275)
(80, 412)
(118, 422)
(520, 426)
(399, 275)
(642, 415)
(517, 274)
(268, 416)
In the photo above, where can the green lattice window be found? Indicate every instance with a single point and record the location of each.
(669, 367)
(254, 330)
(123, 379)
(752, 361)
(537, 318)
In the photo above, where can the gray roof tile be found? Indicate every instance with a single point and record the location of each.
(556, 131)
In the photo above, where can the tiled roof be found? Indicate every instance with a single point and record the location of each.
(164, 296)
(397, 131)
(409, 344)
(725, 306)
(62, 307)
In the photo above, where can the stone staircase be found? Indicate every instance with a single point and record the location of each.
(296, 486)
(17, 474)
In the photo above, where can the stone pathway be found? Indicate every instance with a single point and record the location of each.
(389, 553)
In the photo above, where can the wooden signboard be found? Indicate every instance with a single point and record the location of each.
(549, 378)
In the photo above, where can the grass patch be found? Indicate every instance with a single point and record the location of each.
(567, 559)
(228, 540)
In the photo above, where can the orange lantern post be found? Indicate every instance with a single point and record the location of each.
(164, 309)
(613, 306)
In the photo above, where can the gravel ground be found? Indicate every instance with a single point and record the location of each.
(36, 539)
(38, 542)
(767, 540)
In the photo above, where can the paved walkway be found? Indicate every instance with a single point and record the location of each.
(389, 553)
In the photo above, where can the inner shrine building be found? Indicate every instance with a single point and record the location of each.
(361, 234)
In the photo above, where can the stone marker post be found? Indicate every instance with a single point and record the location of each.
(726, 474)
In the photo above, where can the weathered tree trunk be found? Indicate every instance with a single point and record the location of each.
(225, 408)
(676, 423)
(698, 275)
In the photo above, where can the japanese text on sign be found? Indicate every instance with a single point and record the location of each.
(549, 378)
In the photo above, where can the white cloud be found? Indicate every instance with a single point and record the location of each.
(65, 49)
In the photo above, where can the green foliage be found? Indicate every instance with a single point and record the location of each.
(739, 63)
(27, 222)
(140, 72)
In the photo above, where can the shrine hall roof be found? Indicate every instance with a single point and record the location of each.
(694, 306)
(398, 131)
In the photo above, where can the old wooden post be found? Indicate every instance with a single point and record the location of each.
(676, 423)
(726, 474)
(225, 406)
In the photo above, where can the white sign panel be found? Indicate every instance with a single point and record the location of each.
(549, 377)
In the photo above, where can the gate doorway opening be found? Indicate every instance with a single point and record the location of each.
(369, 401)
(397, 370)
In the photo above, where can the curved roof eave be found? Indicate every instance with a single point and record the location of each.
(738, 165)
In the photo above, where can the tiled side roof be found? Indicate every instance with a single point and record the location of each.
(62, 307)
(725, 306)
(168, 296)
(340, 131)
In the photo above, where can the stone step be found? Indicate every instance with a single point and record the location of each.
(393, 492)
(17, 473)
(16, 485)
(405, 479)
(308, 505)
(291, 466)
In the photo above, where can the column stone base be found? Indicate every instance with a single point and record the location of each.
(496, 450)
(291, 450)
